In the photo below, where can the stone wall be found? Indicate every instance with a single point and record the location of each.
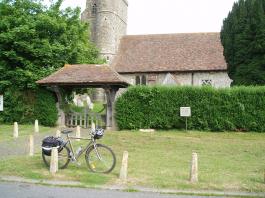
(218, 79)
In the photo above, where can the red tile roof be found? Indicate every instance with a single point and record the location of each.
(87, 75)
(170, 52)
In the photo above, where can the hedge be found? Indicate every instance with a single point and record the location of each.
(230, 109)
(27, 106)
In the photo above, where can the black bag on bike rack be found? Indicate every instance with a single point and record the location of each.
(49, 142)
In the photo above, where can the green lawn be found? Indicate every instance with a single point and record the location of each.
(227, 161)
(6, 131)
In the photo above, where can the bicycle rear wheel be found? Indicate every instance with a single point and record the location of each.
(63, 158)
(100, 159)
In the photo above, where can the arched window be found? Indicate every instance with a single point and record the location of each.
(94, 9)
(143, 80)
(140, 80)
(137, 80)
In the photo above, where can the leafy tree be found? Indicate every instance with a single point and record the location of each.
(36, 40)
(243, 38)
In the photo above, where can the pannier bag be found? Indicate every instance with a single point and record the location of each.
(49, 142)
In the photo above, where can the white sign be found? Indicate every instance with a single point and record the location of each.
(1, 103)
(185, 111)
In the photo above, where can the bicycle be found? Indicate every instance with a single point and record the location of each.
(99, 158)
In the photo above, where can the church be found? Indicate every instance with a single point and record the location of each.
(169, 59)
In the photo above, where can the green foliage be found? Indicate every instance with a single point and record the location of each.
(243, 38)
(45, 109)
(27, 106)
(236, 109)
(35, 41)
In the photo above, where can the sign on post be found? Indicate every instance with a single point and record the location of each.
(1, 103)
(185, 112)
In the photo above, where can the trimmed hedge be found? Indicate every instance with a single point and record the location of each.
(230, 109)
(27, 106)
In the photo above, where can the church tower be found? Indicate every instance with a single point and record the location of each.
(108, 23)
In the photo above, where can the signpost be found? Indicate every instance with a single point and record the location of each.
(1, 103)
(185, 112)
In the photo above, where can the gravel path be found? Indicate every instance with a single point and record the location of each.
(19, 146)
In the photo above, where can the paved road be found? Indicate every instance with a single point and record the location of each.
(21, 190)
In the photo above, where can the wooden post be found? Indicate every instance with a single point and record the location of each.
(93, 127)
(54, 161)
(61, 102)
(15, 131)
(36, 127)
(31, 145)
(264, 176)
(124, 166)
(194, 168)
(110, 111)
(78, 133)
(58, 133)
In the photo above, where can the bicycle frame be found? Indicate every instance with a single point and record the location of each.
(74, 156)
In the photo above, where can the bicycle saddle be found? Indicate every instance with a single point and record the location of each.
(66, 131)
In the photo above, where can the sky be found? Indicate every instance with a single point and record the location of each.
(171, 16)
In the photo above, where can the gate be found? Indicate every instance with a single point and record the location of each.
(84, 119)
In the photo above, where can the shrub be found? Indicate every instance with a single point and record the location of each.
(27, 106)
(230, 109)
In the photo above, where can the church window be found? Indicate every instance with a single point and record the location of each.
(143, 80)
(206, 82)
(140, 80)
(137, 80)
(94, 9)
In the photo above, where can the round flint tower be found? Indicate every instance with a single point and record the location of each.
(108, 23)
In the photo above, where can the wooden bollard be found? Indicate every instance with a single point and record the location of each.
(78, 133)
(15, 131)
(54, 161)
(31, 145)
(58, 133)
(194, 168)
(36, 127)
(124, 166)
(264, 176)
(93, 127)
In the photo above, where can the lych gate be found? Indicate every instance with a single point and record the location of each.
(86, 76)
(83, 119)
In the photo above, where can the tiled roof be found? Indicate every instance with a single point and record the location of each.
(84, 75)
(170, 52)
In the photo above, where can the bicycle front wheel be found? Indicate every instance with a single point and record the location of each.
(63, 158)
(100, 159)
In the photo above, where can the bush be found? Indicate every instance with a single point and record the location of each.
(45, 108)
(27, 106)
(231, 109)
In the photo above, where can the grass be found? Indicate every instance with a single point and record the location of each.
(227, 161)
(6, 131)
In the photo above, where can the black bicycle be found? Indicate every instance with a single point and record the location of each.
(99, 158)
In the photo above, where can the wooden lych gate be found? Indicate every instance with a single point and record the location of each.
(86, 76)
(84, 119)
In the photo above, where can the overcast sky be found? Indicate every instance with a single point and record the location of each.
(172, 16)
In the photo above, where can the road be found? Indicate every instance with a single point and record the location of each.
(22, 190)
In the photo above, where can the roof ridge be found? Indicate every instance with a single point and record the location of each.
(169, 34)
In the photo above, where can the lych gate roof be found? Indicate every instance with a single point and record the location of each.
(84, 75)
(170, 52)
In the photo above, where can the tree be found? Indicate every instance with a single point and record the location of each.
(243, 38)
(36, 40)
